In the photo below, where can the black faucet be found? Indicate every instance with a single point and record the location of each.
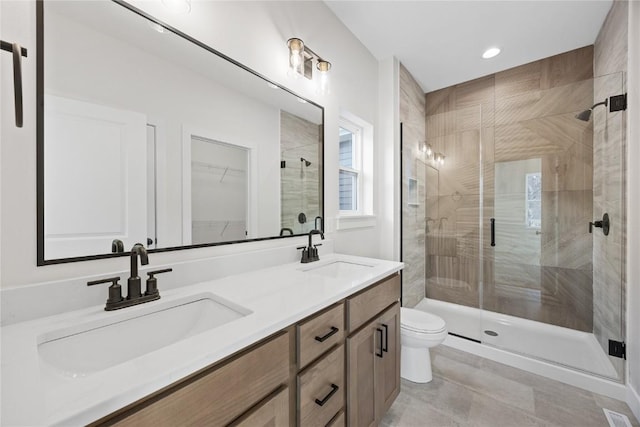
(315, 223)
(134, 284)
(310, 253)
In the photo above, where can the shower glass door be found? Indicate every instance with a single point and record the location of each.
(553, 290)
(453, 233)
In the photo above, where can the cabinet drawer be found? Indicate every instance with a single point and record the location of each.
(274, 411)
(319, 334)
(321, 390)
(364, 306)
(218, 395)
(338, 421)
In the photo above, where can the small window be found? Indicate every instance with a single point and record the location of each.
(533, 200)
(350, 167)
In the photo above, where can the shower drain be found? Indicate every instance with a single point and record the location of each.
(491, 333)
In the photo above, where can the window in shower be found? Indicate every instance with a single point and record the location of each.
(533, 200)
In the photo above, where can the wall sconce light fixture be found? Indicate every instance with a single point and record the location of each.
(301, 59)
(426, 149)
(439, 158)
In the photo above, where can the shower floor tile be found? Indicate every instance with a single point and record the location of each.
(468, 390)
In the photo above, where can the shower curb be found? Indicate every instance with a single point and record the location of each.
(572, 377)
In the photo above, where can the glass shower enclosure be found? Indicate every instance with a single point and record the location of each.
(514, 190)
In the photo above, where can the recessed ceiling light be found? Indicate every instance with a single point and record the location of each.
(491, 52)
(273, 86)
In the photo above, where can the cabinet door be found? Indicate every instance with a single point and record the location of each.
(361, 347)
(274, 412)
(388, 366)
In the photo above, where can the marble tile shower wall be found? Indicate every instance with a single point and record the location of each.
(413, 214)
(610, 66)
(499, 123)
(301, 193)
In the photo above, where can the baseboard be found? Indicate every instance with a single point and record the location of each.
(633, 400)
(555, 372)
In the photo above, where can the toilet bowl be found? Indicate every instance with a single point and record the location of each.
(419, 331)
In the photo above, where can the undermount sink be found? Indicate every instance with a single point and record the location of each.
(339, 269)
(94, 346)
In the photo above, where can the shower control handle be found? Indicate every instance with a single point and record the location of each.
(604, 224)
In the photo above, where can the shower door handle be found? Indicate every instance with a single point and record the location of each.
(604, 224)
(493, 231)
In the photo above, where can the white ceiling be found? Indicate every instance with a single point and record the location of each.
(441, 42)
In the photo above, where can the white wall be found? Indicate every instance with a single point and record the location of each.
(633, 211)
(389, 159)
(253, 33)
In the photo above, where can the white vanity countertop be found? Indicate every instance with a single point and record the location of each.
(34, 393)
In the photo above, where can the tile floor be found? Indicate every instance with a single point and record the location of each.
(468, 390)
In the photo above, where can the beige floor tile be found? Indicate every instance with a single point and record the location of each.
(468, 390)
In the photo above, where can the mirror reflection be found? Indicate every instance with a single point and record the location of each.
(150, 137)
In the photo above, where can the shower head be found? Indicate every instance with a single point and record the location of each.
(586, 114)
(307, 163)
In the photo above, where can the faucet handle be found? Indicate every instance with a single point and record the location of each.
(115, 290)
(152, 282)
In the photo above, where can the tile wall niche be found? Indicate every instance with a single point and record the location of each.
(610, 66)
(413, 168)
(509, 124)
(300, 183)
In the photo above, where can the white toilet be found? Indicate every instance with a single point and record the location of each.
(419, 331)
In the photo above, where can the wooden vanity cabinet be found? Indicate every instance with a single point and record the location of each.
(220, 394)
(373, 353)
(339, 366)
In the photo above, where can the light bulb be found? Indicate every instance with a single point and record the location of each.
(296, 57)
(491, 52)
(323, 71)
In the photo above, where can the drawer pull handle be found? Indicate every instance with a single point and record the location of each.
(385, 348)
(381, 332)
(334, 389)
(323, 338)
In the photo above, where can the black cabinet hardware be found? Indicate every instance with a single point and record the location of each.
(323, 338)
(385, 348)
(334, 389)
(380, 333)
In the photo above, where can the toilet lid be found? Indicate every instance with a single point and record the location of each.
(420, 321)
